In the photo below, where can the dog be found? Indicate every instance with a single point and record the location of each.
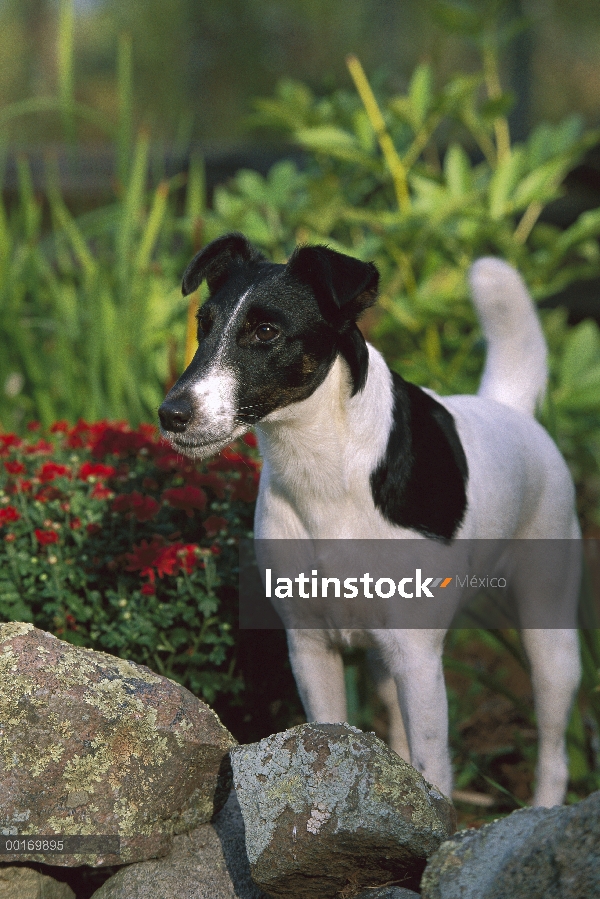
(352, 450)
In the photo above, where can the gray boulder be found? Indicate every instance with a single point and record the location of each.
(531, 854)
(208, 863)
(91, 744)
(388, 892)
(330, 810)
(25, 883)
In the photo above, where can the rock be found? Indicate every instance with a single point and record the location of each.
(91, 744)
(531, 854)
(208, 863)
(330, 810)
(25, 883)
(389, 892)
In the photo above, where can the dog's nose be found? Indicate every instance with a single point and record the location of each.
(175, 414)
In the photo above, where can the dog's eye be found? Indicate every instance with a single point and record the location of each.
(265, 333)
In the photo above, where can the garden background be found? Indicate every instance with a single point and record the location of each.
(417, 134)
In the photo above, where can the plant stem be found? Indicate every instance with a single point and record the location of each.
(494, 89)
(525, 226)
(394, 163)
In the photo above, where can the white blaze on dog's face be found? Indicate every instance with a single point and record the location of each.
(267, 337)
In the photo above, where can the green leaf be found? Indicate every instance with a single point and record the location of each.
(325, 138)
(420, 93)
(335, 142)
(504, 181)
(587, 226)
(457, 169)
(581, 354)
(496, 107)
(585, 396)
(540, 185)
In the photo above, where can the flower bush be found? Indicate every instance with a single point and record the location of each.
(110, 539)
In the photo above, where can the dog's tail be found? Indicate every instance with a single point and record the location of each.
(515, 371)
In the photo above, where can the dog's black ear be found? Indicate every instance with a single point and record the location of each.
(344, 286)
(214, 261)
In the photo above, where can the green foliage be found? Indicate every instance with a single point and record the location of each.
(109, 539)
(87, 313)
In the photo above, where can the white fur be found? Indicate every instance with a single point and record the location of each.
(318, 456)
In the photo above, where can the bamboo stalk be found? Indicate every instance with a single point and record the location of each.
(393, 161)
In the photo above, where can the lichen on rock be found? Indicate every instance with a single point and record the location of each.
(328, 808)
(94, 744)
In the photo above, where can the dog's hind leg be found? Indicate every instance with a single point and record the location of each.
(319, 672)
(555, 673)
(388, 694)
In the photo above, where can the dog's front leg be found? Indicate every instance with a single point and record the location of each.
(414, 658)
(319, 672)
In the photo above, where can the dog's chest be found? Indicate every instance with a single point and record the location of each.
(317, 511)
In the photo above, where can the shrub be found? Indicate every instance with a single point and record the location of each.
(110, 539)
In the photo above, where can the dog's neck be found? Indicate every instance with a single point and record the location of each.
(327, 443)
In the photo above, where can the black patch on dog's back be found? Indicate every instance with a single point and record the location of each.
(421, 481)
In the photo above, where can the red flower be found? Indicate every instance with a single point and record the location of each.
(51, 470)
(46, 537)
(8, 513)
(119, 441)
(33, 426)
(166, 459)
(149, 431)
(14, 467)
(214, 524)
(79, 434)
(166, 561)
(246, 488)
(145, 556)
(216, 483)
(148, 590)
(165, 558)
(185, 498)
(47, 494)
(250, 439)
(75, 524)
(8, 442)
(59, 427)
(187, 556)
(96, 470)
(42, 446)
(101, 492)
(93, 528)
(143, 507)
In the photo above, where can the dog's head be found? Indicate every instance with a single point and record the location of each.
(267, 336)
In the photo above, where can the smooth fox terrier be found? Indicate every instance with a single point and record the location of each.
(352, 450)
